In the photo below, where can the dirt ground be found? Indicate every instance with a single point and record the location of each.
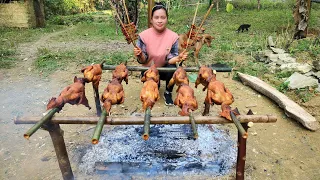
(281, 150)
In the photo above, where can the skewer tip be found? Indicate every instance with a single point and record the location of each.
(26, 136)
(145, 137)
(95, 141)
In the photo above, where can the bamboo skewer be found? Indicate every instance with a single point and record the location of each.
(122, 25)
(193, 21)
(42, 121)
(241, 130)
(193, 125)
(204, 18)
(125, 8)
(97, 100)
(99, 127)
(146, 126)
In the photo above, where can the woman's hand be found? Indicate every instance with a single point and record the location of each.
(137, 51)
(183, 55)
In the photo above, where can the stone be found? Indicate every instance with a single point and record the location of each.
(297, 80)
(302, 68)
(316, 64)
(277, 50)
(317, 74)
(285, 58)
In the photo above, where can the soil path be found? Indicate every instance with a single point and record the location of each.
(274, 151)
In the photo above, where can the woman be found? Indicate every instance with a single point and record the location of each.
(160, 45)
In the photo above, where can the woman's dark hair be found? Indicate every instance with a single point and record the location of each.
(157, 6)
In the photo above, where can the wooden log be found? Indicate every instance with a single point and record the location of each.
(291, 109)
(241, 130)
(154, 120)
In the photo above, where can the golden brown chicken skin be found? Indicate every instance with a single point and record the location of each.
(151, 73)
(204, 75)
(186, 100)
(120, 73)
(218, 94)
(179, 77)
(92, 74)
(112, 94)
(149, 94)
(72, 94)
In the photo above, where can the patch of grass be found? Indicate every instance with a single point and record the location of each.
(117, 58)
(6, 59)
(283, 74)
(256, 69)
(283, 87)
(305, 94)
(49, 61)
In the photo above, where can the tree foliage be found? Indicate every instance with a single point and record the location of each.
(67, 7)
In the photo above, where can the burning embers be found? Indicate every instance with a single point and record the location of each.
(169, 151)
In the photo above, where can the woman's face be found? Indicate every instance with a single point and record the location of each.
(159, 20)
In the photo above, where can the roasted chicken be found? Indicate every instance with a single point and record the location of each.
(113, 94)
(93, 74)
(204, 75)
(151, 73)
(120, 73)
(186, 100)
(149, 94)
(218, 94)
(179, 77)
(72, 94)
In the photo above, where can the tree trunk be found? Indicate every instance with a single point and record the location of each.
(301, 15)
(39, 13)
(259, 5)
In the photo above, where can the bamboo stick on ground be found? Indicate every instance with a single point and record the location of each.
(42, 121)
(146, 126)
(99, 127)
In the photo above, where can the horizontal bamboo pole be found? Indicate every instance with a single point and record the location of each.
(134, 120)
(166, 69)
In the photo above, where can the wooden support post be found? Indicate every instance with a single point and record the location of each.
(150, 6)
(242, 149)
(97, 100)
(56, 134)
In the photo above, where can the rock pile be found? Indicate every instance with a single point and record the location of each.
(305, 75)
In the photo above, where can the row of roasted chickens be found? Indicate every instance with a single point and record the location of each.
(217, 93)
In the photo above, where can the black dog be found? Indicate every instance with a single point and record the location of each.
(244, 27)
